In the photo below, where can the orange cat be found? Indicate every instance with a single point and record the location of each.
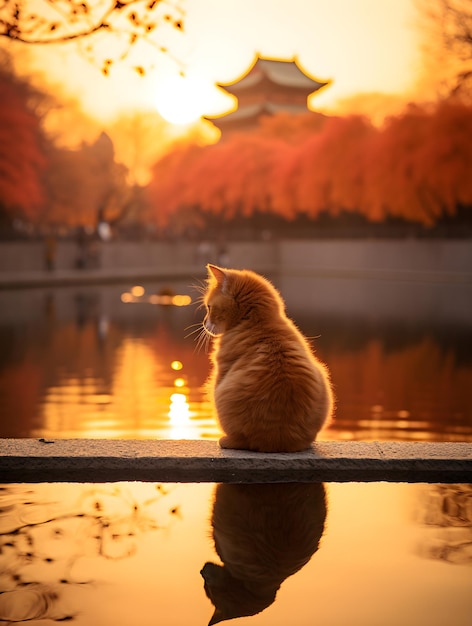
(262, 534)
(270, 392)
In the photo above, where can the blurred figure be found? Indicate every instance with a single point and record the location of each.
(50, 250)
(262, 534)
(82, 248)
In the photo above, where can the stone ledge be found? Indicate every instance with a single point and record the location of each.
(92, 460)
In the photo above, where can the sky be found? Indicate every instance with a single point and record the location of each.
(362, 46)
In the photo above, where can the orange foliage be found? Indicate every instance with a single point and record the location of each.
(420, 163)
(22, 160)
(416, 167)
(330, 167)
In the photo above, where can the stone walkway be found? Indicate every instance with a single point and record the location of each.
(81, 460)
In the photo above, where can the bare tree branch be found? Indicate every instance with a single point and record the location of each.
(448, 41)
(45, 22)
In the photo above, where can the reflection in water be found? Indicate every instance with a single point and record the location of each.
(43, 541)
(263, 534)
(79, 362)
(446, 513)
(131, 554)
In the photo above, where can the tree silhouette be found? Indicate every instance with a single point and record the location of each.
(448, 27)
(60, 21)
(87, 186)
(41, 541)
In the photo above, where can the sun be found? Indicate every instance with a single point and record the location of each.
(180, 99)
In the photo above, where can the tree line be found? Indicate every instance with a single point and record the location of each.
(45, 185)
(415, 167)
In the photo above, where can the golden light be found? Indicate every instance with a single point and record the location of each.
(176, 365)
(137, 291)
(180, 100)
(179, 416)
(181, 300)
(179, 382)
(167, 300)
(126, 297)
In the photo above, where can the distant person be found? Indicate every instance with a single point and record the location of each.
(223, 256)
(204, 253)
(50, 252)
(82, 248)
(104, 231)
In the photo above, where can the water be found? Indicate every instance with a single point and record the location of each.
(88, 362)
(92, 362)
(358, 554)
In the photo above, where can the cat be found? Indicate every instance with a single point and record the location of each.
(262, 534)
(270, 392)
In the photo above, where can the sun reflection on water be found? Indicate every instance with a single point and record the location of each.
(143, 400)
(180, 417)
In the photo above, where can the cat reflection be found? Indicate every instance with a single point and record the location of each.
(262, 534)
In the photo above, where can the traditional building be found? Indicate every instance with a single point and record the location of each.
(268, 87)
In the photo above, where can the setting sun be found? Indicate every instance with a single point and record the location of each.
(180, 100)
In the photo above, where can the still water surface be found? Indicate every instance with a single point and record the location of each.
(90, 362)
(132, 554)
(99, 362)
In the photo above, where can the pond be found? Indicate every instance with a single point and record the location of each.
(120, 361)
(144, 554)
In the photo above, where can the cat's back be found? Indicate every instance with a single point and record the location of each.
(275, 350)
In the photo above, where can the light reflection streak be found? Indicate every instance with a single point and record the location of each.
(136, 295)
(143, 401)
(180, 417)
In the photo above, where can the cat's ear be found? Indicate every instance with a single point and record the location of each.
(217, 273)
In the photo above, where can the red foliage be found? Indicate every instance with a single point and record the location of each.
(22, 160)
(420, 162)
(416, 167)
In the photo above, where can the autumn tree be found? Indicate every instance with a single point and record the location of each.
(446, 26)
(87, 186)
(129, 22)
(327, 171)
(419, 164)
(22, 148)
(414, 168)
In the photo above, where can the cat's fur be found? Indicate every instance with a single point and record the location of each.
(262, 534)
(270, 392)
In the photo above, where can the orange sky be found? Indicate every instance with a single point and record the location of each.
(363, 46)
(369, 49)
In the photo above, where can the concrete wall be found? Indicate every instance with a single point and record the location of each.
(320, 256)
(381, 255)
(28, 256)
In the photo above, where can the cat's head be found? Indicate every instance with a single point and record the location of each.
(231, 597)
(236, 296)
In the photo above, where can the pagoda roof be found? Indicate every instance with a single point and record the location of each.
(253, 111)
(277, 71)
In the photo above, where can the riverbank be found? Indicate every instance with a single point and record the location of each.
(22, 264)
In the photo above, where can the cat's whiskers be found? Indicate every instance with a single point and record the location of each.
(203, 339)
(202, 289)
(198, 327)
(202, 336)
